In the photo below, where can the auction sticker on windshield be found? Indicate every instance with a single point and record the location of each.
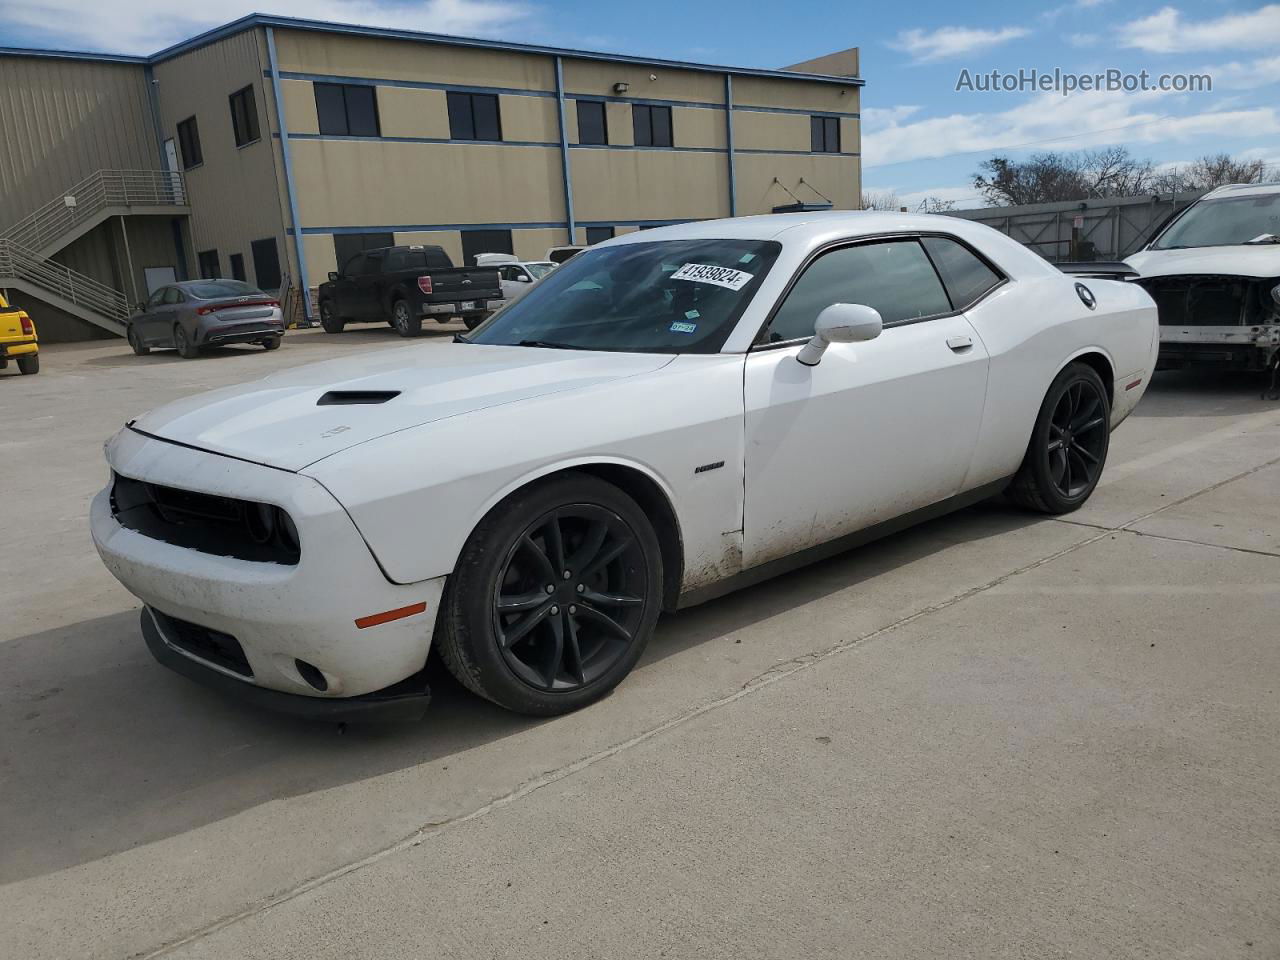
(720, 276)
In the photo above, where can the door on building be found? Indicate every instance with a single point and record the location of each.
(157, 277)
(171, 162)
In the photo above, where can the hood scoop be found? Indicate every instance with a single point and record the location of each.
(340, 398)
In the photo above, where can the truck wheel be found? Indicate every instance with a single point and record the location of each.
(473, 320)
(30, 364)
(402, 318)
(330, 323)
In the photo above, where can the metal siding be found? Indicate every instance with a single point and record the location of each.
(236, 193)
(836, 176)
(60, 120)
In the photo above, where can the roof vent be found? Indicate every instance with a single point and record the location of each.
(337, 398)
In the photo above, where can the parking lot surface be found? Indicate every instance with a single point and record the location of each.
(995, 735)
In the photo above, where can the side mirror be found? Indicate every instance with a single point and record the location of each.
(334, 277)
(840, 323)
(140, 307)
(524, 279)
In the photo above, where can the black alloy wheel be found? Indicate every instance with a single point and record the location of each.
(402, 318)
(328, 321)
(554, 597)
(1069, 444)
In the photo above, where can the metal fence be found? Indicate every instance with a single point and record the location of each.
(1084, 229)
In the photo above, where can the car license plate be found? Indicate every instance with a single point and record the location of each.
(468, 304)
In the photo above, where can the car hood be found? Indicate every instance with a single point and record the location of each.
(1257, 260)
(278, 421)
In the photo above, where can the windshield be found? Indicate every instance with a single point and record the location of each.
(1219, 223)
(674, 296)
(539, 270)
(213, 289)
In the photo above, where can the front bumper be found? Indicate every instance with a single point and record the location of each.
(1250, 347)
(279, 614)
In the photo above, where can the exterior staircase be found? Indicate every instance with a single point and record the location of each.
(27, 246)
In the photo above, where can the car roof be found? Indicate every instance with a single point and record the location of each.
(1243, 190)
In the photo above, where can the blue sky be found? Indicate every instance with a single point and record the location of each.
(920, 136)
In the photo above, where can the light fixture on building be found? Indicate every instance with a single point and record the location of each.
(621, 87)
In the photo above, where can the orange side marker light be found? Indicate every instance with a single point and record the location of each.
(374, 619)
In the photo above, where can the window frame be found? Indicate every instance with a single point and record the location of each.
(816, 119)
(471, 97)
(346, 109)
(670, 125)
(249, 100)
(1001, 277)
(758, 344)
(604, 122)
(198, 160)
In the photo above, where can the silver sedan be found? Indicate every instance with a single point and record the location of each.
(195, 314)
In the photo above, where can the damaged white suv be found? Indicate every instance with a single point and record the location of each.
(1214, 273)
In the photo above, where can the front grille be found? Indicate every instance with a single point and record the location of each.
(223, 526)
(1200, 301)
(213, 646)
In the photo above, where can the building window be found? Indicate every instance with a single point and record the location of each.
(189, 143)
(484, 241)
(347, 109)
(266, 263)
(474, 116)
(592, 127)
(824, 134)
(652, 125)
(244, 116)
(598, 234)
(237, 266)
(208, 263)
(348, 245)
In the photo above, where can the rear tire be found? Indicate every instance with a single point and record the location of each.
(330, 323)
(473, 321)
(594, 548)
(402, 318)
(186, 349)
(136, 345)
(30, 364)
(272, 344)
(1069, 444)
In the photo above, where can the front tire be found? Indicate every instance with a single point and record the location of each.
(29, 364)
(330, 323)
(554, 597)
(1069, 444)
(402, 318)
(136, 345)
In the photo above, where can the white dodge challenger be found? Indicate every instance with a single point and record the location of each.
(670, 415)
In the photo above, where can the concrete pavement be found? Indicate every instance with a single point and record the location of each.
(993, 735)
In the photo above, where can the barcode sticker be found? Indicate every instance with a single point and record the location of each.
(725, 277)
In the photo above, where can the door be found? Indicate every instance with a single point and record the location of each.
(157, 277)
(150, 322)
(344, 288)
(366, 299)
(876, 429)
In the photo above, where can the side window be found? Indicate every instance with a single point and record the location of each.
(189, 143)
(372, 264)
(345, 109)
(894, 276)
(592, 126)
(473, 116)
(172, 295)
(353, 266)
(966, 277)
(651, 125)
(157, 298)
(824, 134)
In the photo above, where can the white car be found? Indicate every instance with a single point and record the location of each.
(1214, 272)
(517, 276)
(668, 416)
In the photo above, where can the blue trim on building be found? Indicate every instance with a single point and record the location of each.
(643, 101)
(801, 153)
(638, 223)
(74, 55)
(807, 113)
(412, 84)
(255, 20)
(487, 143)
(287, 160)
(430, 227)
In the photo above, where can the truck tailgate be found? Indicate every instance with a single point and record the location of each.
(464, 283)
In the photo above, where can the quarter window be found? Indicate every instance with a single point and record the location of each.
(244, 116)
(652, 125)
(895, 277)
(474, 116)
(172, 295)
(347, 109)
(189, 143)
(824, 134)
(966, 276)
(592, 127)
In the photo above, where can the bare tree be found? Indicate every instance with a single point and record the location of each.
(1041, 178)
(1214, 170)
(1115, 172)
(881, 200)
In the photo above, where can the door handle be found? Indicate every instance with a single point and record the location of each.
(960, 343)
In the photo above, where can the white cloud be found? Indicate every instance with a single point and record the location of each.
(875, 117)
(1051, 122)
(1244, 76)
(1166, 32)
(145, 26)
(948, 42)
(1083, 39)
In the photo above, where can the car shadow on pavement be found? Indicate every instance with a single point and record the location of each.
(105, 750)
(1205, 393)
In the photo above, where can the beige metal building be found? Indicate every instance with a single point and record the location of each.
(120, 173)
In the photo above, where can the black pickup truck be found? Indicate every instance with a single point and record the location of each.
(401, 285)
